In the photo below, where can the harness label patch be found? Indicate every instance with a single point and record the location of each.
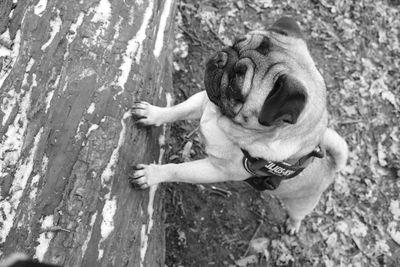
(278, 170)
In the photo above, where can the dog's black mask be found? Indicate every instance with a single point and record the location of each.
(221, 84)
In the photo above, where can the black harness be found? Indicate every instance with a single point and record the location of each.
(267, 175)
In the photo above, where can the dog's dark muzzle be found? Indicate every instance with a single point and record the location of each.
(219, 80)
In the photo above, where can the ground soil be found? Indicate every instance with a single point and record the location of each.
(357, 221)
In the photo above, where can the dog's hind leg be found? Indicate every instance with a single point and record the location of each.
(147, 114)
(297, 209)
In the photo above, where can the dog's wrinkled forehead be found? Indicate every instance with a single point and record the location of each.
(253, 41)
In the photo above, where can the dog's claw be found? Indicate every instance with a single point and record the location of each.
(145, 114)
(137, 177)
(292, 226)
(138, 167)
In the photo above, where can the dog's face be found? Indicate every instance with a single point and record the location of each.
(266, 79)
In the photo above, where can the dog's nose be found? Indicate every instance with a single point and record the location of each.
(220, 59)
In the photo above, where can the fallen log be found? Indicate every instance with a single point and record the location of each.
(67, 139)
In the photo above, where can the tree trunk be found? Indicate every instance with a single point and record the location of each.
(72, 72)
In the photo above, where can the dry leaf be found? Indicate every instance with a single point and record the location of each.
(381, 155)
(258, 245)
(389, 96)
(343, 227)
(243, 262)
(393, 232)
(186, 151)
(332, 240)
(395, 209)
(358, 228)
(341, 185)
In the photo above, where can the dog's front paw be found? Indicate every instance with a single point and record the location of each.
(143, 176)
(147, 114)
(292, 226)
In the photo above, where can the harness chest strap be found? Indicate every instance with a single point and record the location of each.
(267, 175)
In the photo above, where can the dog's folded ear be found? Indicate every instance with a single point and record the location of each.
(284, 103)
(287, 26)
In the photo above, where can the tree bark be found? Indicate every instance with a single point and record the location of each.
(67, 139)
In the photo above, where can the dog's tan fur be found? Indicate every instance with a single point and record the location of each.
(225, 137)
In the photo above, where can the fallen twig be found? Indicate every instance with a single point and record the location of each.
(180, 205)
(264, 218)
(359, 246)
(220, 191)
(254, 235)
(192, 36)
(54, 229)
(350, 121)
(216, 36)
(192, 132)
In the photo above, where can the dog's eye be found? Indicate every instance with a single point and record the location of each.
(238, 79)
(264, 46)
(236, 89)
(240, 70)
(237, 82)
(280, 31)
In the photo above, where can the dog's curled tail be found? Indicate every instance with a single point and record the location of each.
(336, 147)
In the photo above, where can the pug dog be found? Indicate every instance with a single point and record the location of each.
(263, 119)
